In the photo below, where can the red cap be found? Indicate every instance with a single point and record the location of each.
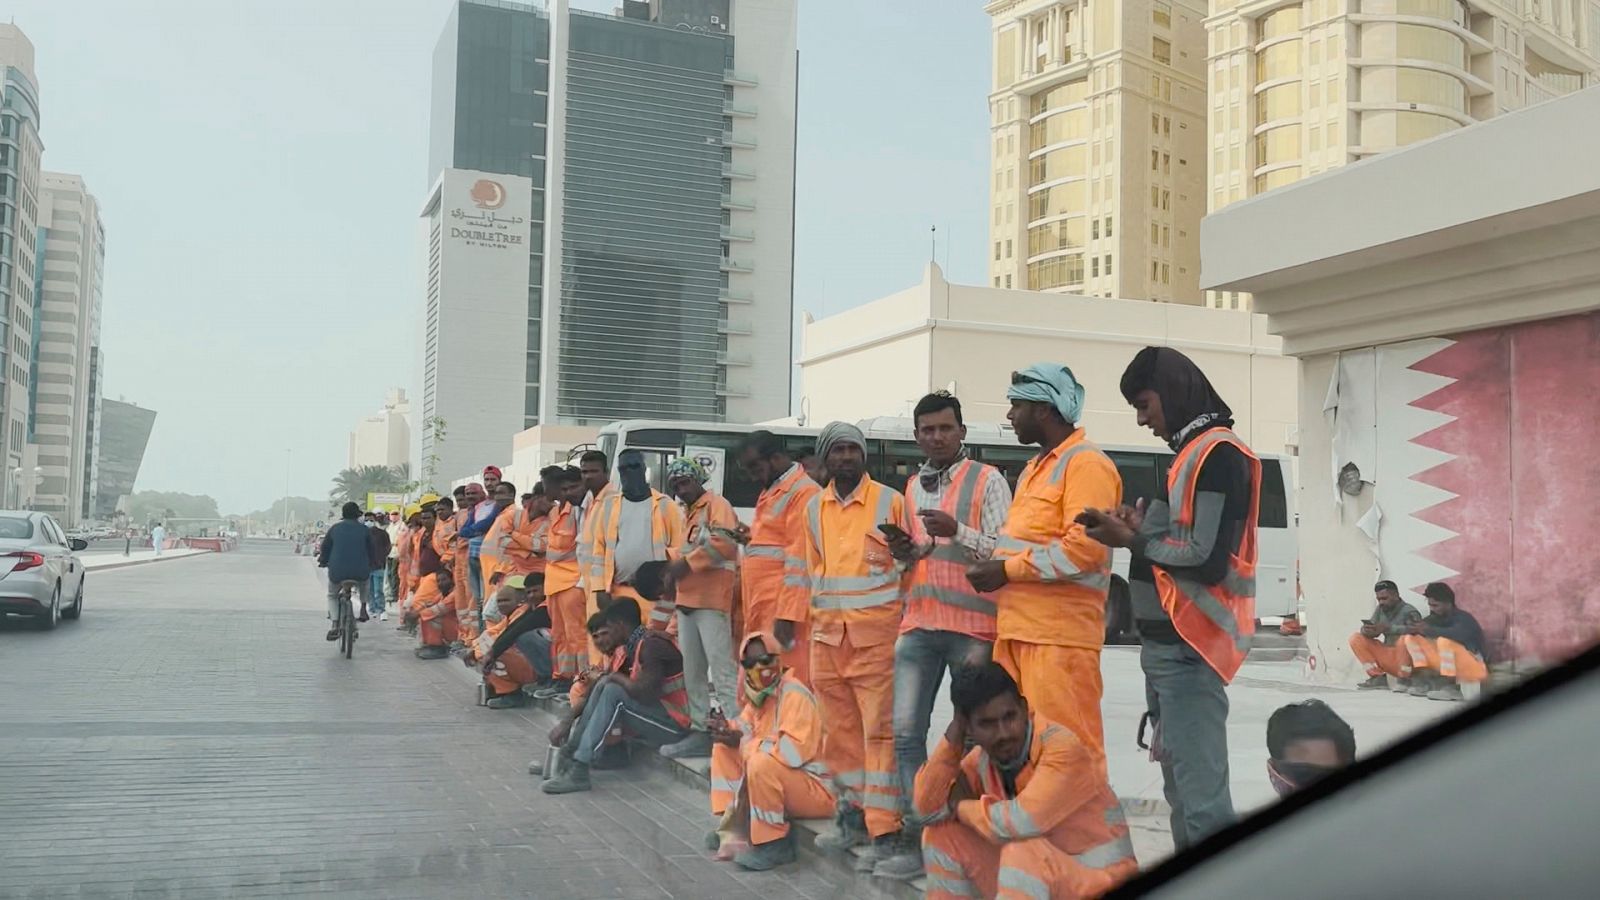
(491, 470)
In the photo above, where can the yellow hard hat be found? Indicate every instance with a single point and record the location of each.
(428, 500)
(413, 510)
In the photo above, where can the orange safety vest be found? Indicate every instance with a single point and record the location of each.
(855, 584)
(604, 521)
(673, 695)
(712, 554)
(941, 598)
(1217, 620)
(561, 550)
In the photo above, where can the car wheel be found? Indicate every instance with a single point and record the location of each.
(52, 617)
(77, 604)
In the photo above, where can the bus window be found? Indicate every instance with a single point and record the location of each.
(899, 461)
(736, 485)
(1274, 505)
(671, 438)
(1009, 460)
(1138, 471)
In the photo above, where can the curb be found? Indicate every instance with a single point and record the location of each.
(145, 562)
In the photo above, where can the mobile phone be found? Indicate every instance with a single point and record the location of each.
(893, 530)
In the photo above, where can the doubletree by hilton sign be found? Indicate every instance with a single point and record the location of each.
(485, 225)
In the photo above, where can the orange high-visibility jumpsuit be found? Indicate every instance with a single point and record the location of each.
(1447, 657)
(856, 604)
(402, 567)
(1050, 622)
(569, 636)
(1063, 834)
(461, 598)
(511, 670)
(666, 536)
(509, 546)
(779, 762)
(774, 583)
(704, 600)
(435, 613)
(1381, 658)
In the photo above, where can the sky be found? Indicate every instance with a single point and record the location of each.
(259, 165)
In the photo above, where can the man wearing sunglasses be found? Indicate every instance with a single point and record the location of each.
(1049, 578)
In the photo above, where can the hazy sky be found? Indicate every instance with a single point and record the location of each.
(257, 164)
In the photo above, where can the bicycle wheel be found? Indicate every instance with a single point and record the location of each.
(346, 624)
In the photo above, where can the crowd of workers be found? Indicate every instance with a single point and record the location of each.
(801, 651)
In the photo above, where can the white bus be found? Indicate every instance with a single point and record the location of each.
(893, 457)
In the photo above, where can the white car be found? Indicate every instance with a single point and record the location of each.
(40, 573)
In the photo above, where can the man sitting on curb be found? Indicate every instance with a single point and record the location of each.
(766, 765)
(1306, 742)
(644, 694)
(1027, 812)
(1378, 642)
(499, 652)
(1446, 648)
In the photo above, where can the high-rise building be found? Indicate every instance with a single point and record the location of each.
(384, 438)
(124, 433)
(20, 151)
(65, 372)
(1306, 86)
(1097, 123)
(658, 151)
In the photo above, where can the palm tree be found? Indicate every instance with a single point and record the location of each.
(353, 485)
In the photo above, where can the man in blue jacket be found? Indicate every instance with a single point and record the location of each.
(347, 555)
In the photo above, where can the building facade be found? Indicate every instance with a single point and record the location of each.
(384, 438)
(658, 146)
(65, 372)
(1097, 124)
(20, 152)
(1299, 87)
(124, 433)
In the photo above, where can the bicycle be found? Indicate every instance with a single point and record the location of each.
(347, 619)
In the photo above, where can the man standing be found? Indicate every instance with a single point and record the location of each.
(477, 525)
(958, 507)
(563, 583)
(634, 526)
(158, 538)
(392, 569)
(1191, 580)
(1377, 644)
(1051, 621)
(491, 550)
(856, 605)
(468, 621)
(702, 578)
(380, 559)
(774, 583)
(1445, 648)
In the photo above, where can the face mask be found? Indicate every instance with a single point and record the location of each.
(1288, 777)
(635, 485)
(761, 682)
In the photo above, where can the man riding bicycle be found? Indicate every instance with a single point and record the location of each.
(347, 555)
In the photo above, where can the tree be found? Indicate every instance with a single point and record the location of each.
(355, 484)
(146, 507)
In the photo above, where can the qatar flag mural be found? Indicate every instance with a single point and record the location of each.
(1482, 452)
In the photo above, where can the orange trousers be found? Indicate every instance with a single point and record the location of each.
(1062, 684)
(1381, 658)
(569, 634)
(855, 693)
(510, 672)
(777, 792)
(466, 612)
(1444, 656)
(962, 863)
(439, 631)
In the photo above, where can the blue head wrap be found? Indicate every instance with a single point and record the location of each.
(1049, 383)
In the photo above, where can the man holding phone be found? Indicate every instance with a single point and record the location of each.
(1377, 644)
(958, 508)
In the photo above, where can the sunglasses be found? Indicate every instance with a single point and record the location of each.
(758, 662)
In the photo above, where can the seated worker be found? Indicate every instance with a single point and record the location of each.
(1446, 648)
(1027, 813)
(766, 765)
(1306, 742)
(1378, 643)
(519, 611)
(644, 694)
(431, 608)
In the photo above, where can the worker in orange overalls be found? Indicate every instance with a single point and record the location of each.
(856, 603)
(766, 766)
(569, 638)
(774, 583)
(431, 606)
(405, 552)
(467, 619)
(1377, 644)
(515, 543)
(633, 526)
(1049, 578)
(703, 575)
(513, 652)
(1191, 580)
(1027, 813)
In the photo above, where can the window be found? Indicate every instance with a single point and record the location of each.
(1094, 267)
(1155, 160)
(1161, 50)
(1155, 271)
(1008, 249)
(1166, 126)
(1161, 14)
(1108, 226)
(997, 281)
(1108, 264)
(1155, 124)
(1155, 198)
(1166, 236)
(996, 249)
(1155, 234)
(1166, 197)
(1008, 282)
(1094, 230)
(1166, 164)
(1164, 273)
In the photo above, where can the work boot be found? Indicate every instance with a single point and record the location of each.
(698, 743)
(1447, 691)
(1400, 685)
(849, 829)
(905, 860)
(432, 651)
(333, 633)
(456, 645)
(571, 781)
(875, 851)
(505, 701)
(770, 855)
(1379, 682)
(1420, 685)
(364, 617)
(557, 688)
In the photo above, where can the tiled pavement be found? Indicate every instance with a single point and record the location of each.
(194, 737)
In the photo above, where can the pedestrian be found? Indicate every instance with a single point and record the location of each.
(507, 515)
(856, 606)
(774, 582)
(346, 552)
(1306, 742)
(702, 579)
(595, 472)
(958, 507)
(1377, 643)
(563, 582)
(1025, 813)
(633, 526)
(477, 525)
(468, 617)
(379, 539)
(1191, 580)
(1446, 648)
(1050, 578)
(158, 538)
(391, 569)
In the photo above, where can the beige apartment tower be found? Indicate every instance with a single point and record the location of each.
(1098, 123)
(1298, 87)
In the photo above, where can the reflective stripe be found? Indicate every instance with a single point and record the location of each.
(1011, 822)
(789, 753)
(819, 769)
(723, 784)
(1060, 470)
(764, 552)
(1215, 608)
(890, 802)
(843, 583)
(857, 601)
(796, 581)
(975, 602)
(560, 556)
(956, 887)
(933, 856)
(1023, 883)
(1107, 854)
(888, 780)
(951, 552)
(762, 815)
(765, 746)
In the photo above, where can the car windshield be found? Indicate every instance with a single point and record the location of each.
(15, 528)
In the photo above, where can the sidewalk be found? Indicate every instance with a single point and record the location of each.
(97, 562)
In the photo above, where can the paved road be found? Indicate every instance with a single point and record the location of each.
(193, 736)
